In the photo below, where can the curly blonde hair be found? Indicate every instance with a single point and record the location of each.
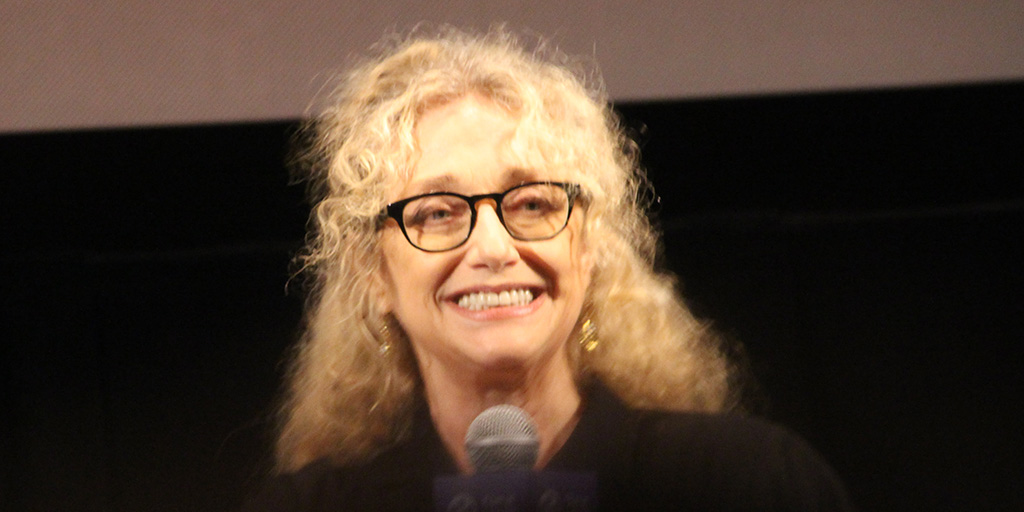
(345, 399)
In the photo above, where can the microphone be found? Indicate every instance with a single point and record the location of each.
(502, 438)
(502, 445)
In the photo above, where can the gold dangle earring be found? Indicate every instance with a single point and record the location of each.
(385, 338)
(588, 336)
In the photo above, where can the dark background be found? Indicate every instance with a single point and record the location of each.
(865, 246)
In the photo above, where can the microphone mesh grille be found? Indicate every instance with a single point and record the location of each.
(502, 437)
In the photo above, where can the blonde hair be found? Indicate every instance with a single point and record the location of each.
(346, 400)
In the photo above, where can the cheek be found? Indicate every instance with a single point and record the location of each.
(570, 265)
(412, 277)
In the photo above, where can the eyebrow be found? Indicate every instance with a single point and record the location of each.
(442, 183)
(516, 176)
(449, 183)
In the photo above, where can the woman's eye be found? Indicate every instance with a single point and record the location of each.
(532, 205)
(435, 213)
(430, 215)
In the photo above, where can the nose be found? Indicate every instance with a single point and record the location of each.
(490, 243)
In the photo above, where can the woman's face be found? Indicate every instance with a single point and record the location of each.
(464, 149)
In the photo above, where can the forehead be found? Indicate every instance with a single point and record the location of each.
(470, 127)
(463, 145)
(472, 117)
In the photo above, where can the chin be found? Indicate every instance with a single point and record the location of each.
(503, 373)
(514, 358)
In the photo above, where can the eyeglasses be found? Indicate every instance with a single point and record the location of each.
(441, 221)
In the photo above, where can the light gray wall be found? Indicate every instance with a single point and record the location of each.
(75, 64)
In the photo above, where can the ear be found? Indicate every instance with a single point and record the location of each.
(382, 292)
(587, 256)
(586, 260)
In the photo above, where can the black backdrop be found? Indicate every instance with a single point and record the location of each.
(865, 246)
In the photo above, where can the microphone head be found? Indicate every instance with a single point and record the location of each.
(502, 438)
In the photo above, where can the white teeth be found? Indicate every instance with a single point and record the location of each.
(486, 300)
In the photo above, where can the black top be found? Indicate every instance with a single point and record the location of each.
(644, 460)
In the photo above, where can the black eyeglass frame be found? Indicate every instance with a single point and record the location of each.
(394, 210)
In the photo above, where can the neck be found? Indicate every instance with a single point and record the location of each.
(549, 395)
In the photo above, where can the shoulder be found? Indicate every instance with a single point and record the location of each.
(724, 437)
(312, 488)
(399, 478)
(391, 481)
(287, 492)
(737, 462)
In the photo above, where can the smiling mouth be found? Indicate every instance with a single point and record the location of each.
(480, 301)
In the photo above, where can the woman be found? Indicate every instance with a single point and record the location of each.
(477, 240)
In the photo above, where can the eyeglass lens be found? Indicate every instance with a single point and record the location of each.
(443, 221)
